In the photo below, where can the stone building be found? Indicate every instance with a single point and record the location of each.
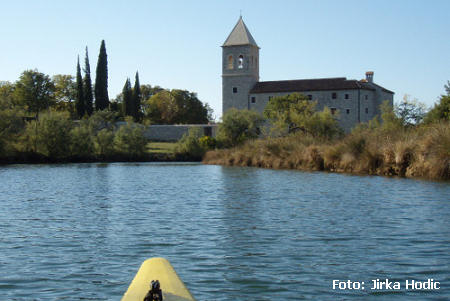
(355, 100)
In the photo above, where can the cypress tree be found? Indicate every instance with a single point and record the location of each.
(101, 80)
(136, 98)
(87, 86)
(79, 101)
(127, 98)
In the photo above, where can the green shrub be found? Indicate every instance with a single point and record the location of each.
(104, 143)
(100, 120)
(440, 112)
(321, 124)
(238, 126)
(11, 125)
(129, 140)
(373, 124)
(50, 135)
(190, 145)
(207, 142)
(355, 144)
(54, 134)
(82, 144)
(391, 122)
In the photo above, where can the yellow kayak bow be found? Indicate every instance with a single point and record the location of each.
(173, 289)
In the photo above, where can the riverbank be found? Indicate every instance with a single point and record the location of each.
(155, 152)
(33, 158)
(416, 153)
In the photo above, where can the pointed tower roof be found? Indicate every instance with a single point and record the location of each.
(240, 35)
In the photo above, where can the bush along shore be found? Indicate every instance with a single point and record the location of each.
(55, 138)
(400, 142)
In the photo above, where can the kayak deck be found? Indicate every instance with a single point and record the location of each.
(172, 287)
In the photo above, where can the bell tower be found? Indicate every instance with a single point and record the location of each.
(240, 67)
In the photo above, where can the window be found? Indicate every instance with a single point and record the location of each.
(347, 111)
(366, 97)
(230, 62)
(367, 110)
(241, 62)
(333, 111)
(310, 97)
(347, 96)
(334, 95)
(253, 99)
(234, 89)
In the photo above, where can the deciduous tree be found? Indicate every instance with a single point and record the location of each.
(7, 95)
(148, 91)
(238, 126)
(411, 112)
(65, 92)
(281, 110)
(35, 90)
(295, 112)
(176, 107)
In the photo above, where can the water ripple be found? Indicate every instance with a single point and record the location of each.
(80, 231)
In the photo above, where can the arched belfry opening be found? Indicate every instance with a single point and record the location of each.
(230, 62)
(241, 62)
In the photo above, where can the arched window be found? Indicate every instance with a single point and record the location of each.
(230, 62)
(241, 62)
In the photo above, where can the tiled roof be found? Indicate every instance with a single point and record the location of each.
(240, 35)
(384, 89)
(336, 83)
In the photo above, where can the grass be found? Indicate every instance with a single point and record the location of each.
(161, 147)
(422, 152)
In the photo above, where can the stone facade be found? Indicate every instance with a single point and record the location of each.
(351, 106)
(346, 109)
(351, 101)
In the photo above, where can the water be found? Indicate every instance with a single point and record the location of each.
(80, 231)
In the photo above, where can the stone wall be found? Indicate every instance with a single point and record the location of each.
(175, 132)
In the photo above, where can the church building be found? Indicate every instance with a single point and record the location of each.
(355, 100)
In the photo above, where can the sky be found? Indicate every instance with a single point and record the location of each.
(176, 44)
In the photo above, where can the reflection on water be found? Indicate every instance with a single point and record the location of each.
(80, 231)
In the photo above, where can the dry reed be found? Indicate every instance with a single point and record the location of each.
(417, 152)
